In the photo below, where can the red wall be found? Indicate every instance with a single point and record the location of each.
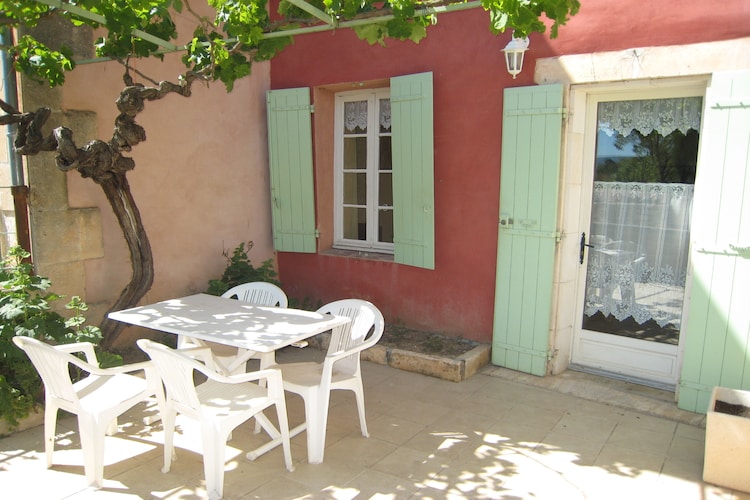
(469, 76)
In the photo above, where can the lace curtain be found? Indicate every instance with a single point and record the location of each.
(662, 115)
(355, 115)
(640, 235)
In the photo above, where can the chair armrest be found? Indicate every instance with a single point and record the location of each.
(92, 363)
(87, 348)
(200, 353)
(114, 370)
(272, 375)
(133, 367)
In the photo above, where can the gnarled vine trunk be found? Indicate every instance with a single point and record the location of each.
(104, 163)
(117, 190)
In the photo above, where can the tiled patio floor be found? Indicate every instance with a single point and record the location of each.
(486, 437)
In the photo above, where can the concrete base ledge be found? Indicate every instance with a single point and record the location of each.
(35, 418)
(453, 369)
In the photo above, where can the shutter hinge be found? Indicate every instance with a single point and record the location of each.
(317, 233)
(536, 112)
(742, 102)
(312, 108)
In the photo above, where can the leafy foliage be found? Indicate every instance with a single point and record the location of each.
(525, 16)
(240, 270)
(41, 63)
(655, 158)
(25, 310)
(223, 48)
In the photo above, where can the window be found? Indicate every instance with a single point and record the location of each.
(391, 209)
(363, 173)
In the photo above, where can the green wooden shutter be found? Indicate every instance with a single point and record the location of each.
(527, 234)
(717, 333)
(290, 159)
(413, 177)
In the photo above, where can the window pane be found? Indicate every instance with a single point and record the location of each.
(385, 226)
(646, 158)
(385, 196)
(385, 115)
(355, 153)
(355, 188)
(355, 223)
(640, 217)
(355, 117)
(385, 153)
(363, 170)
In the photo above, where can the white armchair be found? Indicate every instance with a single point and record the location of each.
(259, 293)
(340, 370)
(97, 399)
(220, 404)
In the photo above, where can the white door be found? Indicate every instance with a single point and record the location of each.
(638, 180)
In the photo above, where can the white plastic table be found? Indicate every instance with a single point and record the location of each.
(238, 324)
(231, 322)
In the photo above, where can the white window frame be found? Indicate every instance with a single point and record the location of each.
(373, 96)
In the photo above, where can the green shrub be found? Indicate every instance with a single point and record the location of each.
(240, 270)
(25, 310)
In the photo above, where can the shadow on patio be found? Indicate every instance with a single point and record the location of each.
(486, 437)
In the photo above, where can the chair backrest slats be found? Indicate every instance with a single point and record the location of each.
(52, 366)
(364, 329)
(258, 293)
(176, 371)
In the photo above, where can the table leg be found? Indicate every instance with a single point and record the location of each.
(276, 441)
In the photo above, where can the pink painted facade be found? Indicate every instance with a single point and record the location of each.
(456, 298)
(200, 181)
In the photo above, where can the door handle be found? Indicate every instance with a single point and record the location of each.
(583, 248)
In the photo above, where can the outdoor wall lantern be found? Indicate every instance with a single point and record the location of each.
(514, 54)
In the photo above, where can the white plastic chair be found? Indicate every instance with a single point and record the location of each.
(259, 293)
(340, 370)
(97, 400)
(219, 404)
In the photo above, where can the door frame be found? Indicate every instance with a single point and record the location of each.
(572, 211)
(660, 365)
(692, 63)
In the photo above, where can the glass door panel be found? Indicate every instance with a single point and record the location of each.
(646, 155)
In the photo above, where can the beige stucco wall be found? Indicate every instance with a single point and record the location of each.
(201, 183)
